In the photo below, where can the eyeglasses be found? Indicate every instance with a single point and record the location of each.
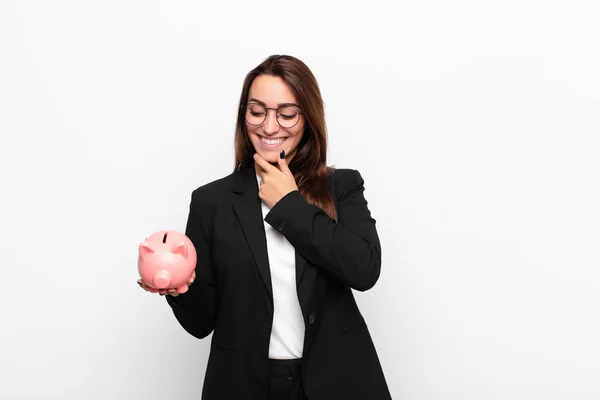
(287, 116)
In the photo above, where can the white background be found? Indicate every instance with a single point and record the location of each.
(474, 124)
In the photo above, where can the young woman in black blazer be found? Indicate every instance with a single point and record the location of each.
(281, 242)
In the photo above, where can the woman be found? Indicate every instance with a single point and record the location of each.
(280, 243)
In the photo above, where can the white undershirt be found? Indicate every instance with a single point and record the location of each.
(287, 334)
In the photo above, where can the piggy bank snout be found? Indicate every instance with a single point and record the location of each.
(162, 279)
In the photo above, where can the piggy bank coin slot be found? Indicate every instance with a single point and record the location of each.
(165, 238)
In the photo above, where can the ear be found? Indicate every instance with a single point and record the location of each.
(180, 248)
(145, 249)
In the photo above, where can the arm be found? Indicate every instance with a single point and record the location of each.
(196, 309)
(349, 250)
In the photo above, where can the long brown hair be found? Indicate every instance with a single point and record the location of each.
(309, 164)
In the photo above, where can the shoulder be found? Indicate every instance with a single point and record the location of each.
(211, 193)
(343, 181)
(346, 181)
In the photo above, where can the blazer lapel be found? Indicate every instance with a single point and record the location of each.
(247, 206)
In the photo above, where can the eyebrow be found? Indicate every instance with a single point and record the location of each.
(278, 105)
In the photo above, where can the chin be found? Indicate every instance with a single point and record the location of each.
(270, 155)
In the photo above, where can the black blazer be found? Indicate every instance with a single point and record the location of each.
(232, 294)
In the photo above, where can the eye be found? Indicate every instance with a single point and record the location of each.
(288, 113)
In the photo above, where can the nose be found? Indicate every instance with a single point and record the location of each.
(271, 125)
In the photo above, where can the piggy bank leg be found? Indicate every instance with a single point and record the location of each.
(182, 289)
(152, 290)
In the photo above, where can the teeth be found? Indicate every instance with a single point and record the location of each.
(269, 141)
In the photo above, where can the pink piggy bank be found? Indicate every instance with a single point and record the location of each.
(167, 260)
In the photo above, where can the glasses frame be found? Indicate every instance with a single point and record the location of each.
(276, 114)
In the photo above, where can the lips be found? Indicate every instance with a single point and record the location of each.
(279, 143)
(272, 138)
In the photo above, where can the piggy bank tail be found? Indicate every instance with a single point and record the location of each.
(162, 279)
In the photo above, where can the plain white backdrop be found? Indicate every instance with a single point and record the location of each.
(475, 125)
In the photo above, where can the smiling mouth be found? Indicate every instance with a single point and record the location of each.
(266, 137)
(272, 142)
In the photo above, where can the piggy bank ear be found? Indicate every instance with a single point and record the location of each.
(145, 249)
(180, 248)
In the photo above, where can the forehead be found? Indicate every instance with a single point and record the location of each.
(271, 90)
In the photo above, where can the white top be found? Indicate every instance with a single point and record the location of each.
(287, 334)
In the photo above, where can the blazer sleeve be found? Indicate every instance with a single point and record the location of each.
(350, 249)
(196, 309)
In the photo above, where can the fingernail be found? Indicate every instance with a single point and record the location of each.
(282, 154)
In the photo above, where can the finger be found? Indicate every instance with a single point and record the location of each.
(264, 164)
(283, 166)
(192, 278)
(260, 172)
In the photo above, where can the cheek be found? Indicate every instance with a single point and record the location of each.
(251, 132)
(298, 135)
(297, 132)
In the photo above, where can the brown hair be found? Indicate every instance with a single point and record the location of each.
(308, 165)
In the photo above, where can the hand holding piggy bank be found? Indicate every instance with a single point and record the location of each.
(167, 260)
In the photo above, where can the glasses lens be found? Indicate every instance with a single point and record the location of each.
(255, 114)
(288, 116)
